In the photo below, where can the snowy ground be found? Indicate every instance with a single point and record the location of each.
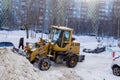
(95, 66)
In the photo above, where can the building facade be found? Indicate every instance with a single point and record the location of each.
(5, 13)
(47, 16)
(15, 13)
(0, 12)
(116, 18)
(84, 10)
(28, 13)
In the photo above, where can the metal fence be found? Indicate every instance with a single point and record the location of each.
(99, 17)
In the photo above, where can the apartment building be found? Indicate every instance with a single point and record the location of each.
(116, 8)
(5, 6)
(15, 13)
(0, 6)
(84, 10)
(116, 17)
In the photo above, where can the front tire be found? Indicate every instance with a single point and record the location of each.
(116, 70)
(71, 61)
(44, 64)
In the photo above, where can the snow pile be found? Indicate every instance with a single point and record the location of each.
(61, 74)
(15, 67)
(70, 75)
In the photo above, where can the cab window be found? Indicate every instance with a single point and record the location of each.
(66, 35)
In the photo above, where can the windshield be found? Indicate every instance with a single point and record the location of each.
(55, 34)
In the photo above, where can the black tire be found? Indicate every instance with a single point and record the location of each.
(44, 64)
(116, 70)
(72, 61)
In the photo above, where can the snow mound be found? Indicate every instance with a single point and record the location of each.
(16, 67)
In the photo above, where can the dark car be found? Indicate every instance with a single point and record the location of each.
(96, 50)
(9, 45)
(92, 34)
(87, 50)
(6, 44)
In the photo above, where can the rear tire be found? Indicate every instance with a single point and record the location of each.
(116, 70)
(44, 64)
(72, 61)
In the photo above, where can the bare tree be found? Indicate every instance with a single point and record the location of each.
(28, 18)
(116, 17)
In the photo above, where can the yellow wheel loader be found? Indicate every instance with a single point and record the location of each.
(61, 47)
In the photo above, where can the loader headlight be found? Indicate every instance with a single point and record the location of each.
(52, 43)
(49, 40)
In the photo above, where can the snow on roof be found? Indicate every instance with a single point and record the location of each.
(62, 27)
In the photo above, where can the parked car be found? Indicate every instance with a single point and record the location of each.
(6, 44)
(9, 45)
(88, 50)
(38, 31)
(92, 34)
(5, 28)
(116, 66)
(96, 50)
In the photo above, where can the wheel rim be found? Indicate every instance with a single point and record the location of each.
(45, 64)
(73, 61)
(116, 71)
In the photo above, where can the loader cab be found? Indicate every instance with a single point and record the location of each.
(61, 36)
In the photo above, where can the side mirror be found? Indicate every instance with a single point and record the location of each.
(73, 38)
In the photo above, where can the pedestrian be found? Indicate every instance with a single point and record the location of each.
(21, 43)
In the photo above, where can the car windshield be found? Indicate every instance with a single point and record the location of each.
(55, 34)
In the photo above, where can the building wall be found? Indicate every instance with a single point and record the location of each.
(28, 12)
(116, 8)
(73, 8)
(61, 13)
(0, 11)
(47, 20)
(15, 13)
(105, 8)
(84, 10)
(0, 6)
(42, 8)
(93, 9)
(6, 13)
(23, 13)
(116, 18)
